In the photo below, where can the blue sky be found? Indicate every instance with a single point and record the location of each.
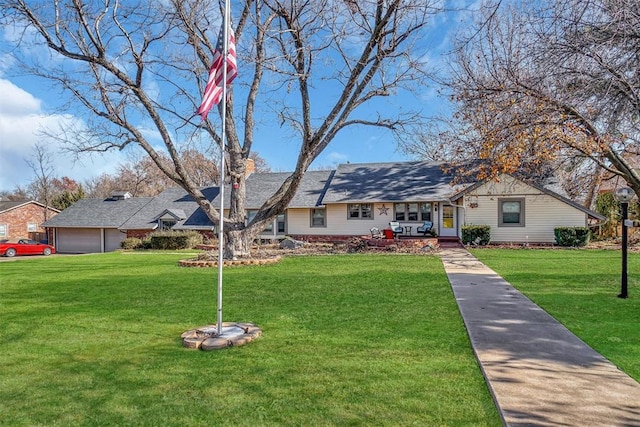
(28, 106)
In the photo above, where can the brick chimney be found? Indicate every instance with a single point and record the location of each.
(250, 168)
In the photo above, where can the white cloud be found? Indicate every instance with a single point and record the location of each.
(16, 102)
(335, 157)
(21, 125)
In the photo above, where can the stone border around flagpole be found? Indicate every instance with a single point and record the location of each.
(233, 335)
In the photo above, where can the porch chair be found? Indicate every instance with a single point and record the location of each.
(396, 228)
(425, 228)
(376, 233)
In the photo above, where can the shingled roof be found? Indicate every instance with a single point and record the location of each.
(389, 182)
(173, 199)
(7, 205)
(98, 213)
(260, 186)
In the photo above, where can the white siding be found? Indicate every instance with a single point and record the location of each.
(543, 212)
(298, 222)
(337, 223)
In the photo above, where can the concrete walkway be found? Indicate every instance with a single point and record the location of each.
(539, 373)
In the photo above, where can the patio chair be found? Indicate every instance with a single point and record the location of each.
(425, 228)
(376, 233)
(396, 228)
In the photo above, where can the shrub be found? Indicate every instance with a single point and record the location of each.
(476, 234)
(146, 243)
(131, 243)
(171, 240)
(572, 236)
(609, 207)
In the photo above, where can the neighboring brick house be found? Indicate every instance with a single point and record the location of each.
(23, 219)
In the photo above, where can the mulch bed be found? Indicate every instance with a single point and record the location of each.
(272, 253)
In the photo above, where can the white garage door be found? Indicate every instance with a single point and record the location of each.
(112, 239)
(78, 240)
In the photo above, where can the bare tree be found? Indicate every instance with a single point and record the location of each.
(143, 65)
(100, 186)
(549, 85)
(142, 177)
(42, 185)
(17, 194)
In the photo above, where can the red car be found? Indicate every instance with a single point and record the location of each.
(25, 247)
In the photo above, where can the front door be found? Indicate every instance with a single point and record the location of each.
(448, 221)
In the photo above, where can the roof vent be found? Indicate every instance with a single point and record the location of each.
(120, 195)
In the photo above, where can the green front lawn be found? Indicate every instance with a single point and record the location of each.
(579, 288)
(348, 340)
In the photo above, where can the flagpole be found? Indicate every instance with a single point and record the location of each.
(227, 12)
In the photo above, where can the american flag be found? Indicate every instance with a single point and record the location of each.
(213, 92)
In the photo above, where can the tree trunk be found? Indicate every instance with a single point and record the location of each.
(238, 243)
(594, 188)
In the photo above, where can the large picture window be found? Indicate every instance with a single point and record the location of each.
(3, 230)
(318, 217)
(360, 211)
(511, 212)
(412, 211)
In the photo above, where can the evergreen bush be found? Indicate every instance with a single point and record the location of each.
(572, 236)
(172, 240)
(479, 235)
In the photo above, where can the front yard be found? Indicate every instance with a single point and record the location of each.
(348, 340)
(579, 288)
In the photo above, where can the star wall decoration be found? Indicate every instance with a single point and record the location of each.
(383, 210)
